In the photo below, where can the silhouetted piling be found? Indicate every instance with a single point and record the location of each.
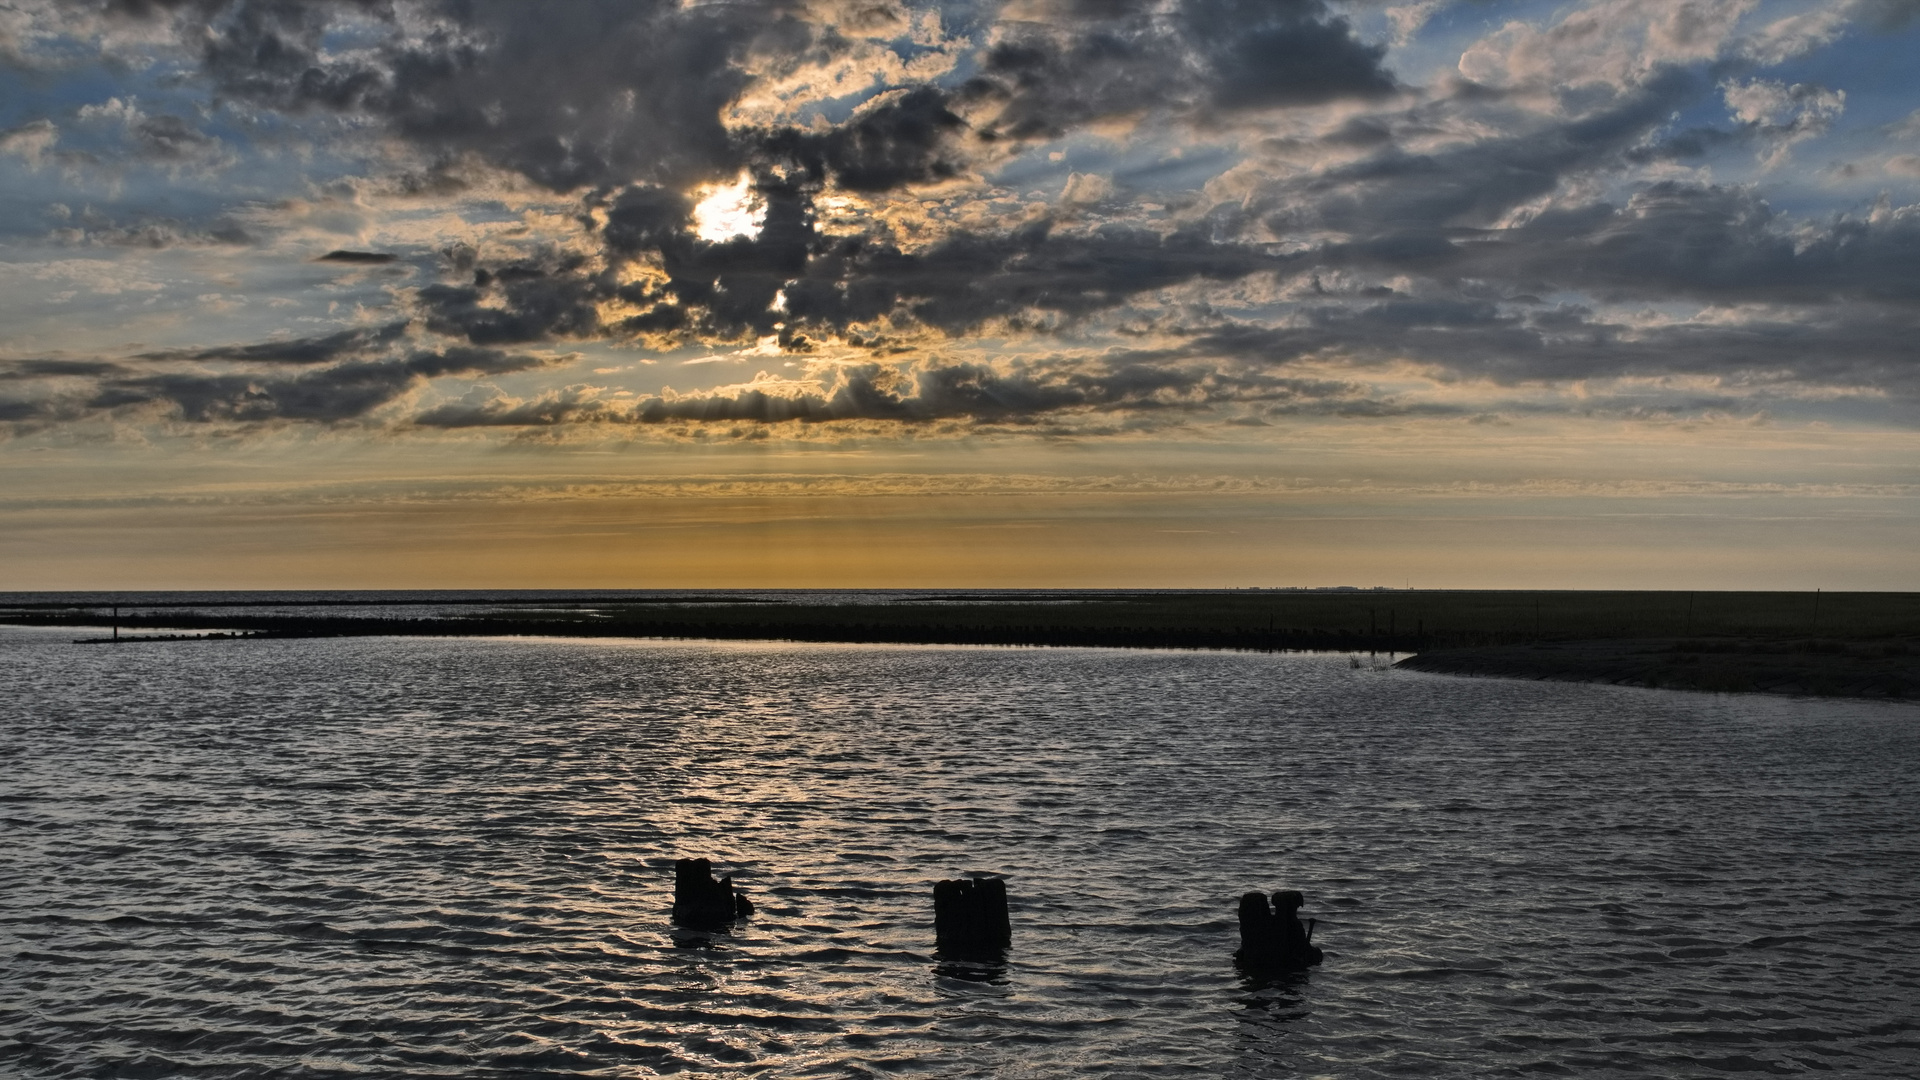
(1271, 937)
(970, 916)
(701, 902)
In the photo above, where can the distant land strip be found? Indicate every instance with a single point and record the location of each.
(1817, 667)
(1855, 644)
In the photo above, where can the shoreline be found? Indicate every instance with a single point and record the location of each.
(815, 632)
(1884, 671)
(1864, 645)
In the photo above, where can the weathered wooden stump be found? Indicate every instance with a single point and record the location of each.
(970, 917)
(701, 902)
(1271, 937)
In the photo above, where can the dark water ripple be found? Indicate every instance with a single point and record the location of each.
(438, 858)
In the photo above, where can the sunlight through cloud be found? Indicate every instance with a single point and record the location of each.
(729, 210)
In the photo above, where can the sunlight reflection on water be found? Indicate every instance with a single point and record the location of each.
(454, 857)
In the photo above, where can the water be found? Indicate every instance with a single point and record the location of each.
(426, 858)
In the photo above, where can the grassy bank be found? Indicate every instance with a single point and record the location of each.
(1854, 644)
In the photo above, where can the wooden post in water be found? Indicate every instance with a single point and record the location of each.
(1816, 613)
(1271, 937)
(116, 622)
(970, 916)
(701, 902)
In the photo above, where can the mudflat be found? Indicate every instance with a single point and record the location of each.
(1827, 668)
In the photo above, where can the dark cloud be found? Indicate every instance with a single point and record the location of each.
(624, 100)
(1449, 213)
(1259, 53)
(1695, 142)
(1670, 241)
(569, 95)
(1511, 344)
(155, 233)
(364, 257)
(1720, 244)
(1087, 61)
(322, 349)
(968, 279)
(170, 138)
(532, 300)
(341, 392)
(1399, 197)
(910, 137)
(607, 93)
(800, 281)
(1890, 14)
(22, 370)
(796, 280)
(938, 391)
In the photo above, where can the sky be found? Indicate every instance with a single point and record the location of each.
(997, 293)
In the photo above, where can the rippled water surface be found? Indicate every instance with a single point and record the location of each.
(392, 857)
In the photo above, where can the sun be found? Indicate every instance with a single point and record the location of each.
(729, 210)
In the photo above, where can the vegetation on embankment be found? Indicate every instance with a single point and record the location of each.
(1791, 642)
(1431, 618)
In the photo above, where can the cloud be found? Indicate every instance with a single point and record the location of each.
(163, 139)
(1407, 19)
(1059, 391)
(1782, 114)
(618, 92)
(321, 349)
(1511, 345)
(625, 91)
(793, 279)
(1707, 243)
(523, 301)
(21, 370)
(1074, 63)
(893, 140)
(170, 138)
(1615, 45)
(1470, 182)
(344, 381)
(342, 255)
(93, 229)
(1888, 14)
(30, 141)
(1224, 208)
(333, 394)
